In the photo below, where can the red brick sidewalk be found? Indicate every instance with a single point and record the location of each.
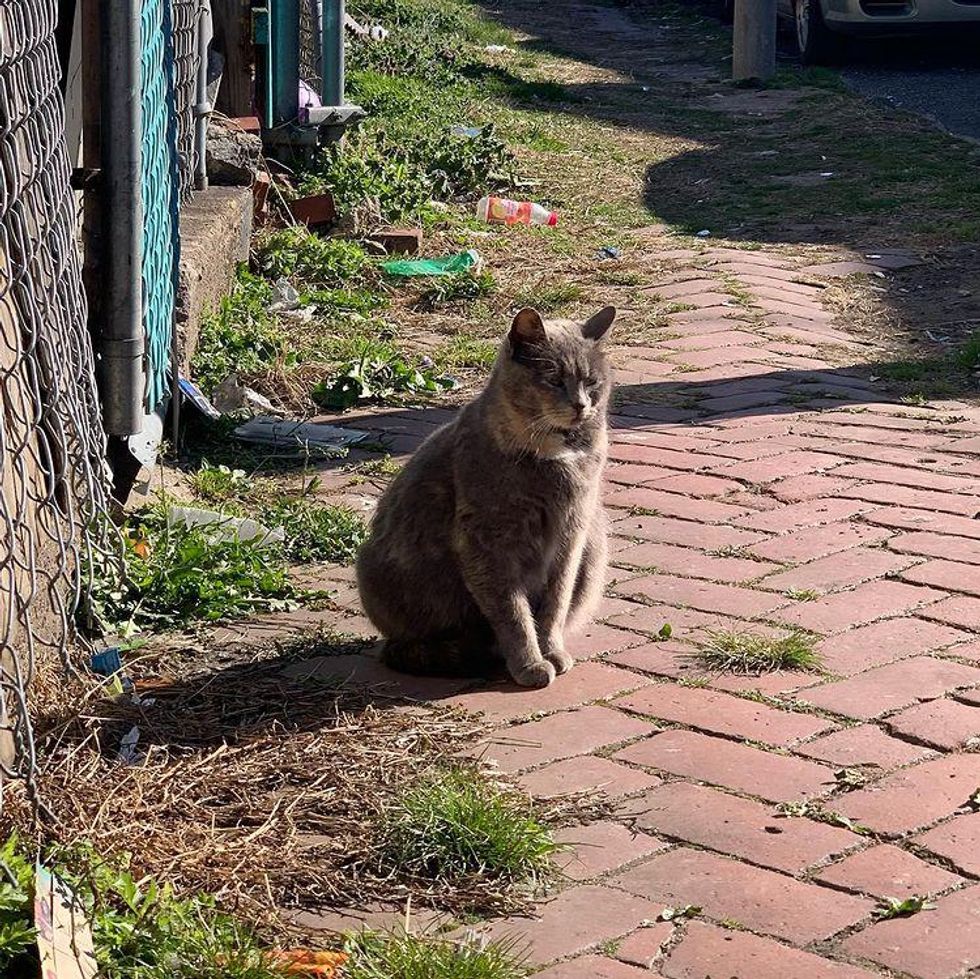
(755, 487)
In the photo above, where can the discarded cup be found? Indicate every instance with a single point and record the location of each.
(500, 210)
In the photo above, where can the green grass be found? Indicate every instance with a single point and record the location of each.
(802, 594)
(745, 652)
(464, 350)
(321, 263)
(382, 468)
(374, 955)
(448, 289)
(456, 825)
(549, 297)
(140, 929)
(219, 484)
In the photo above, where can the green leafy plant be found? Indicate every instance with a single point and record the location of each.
(375, 955)
(894, 907)
(317, 531)
(745, 652)
(240, 337)
(16, 906)
(324, 263)
(175, 575)
(465, 350)
(462, 287)
(456, 824)
(218, 484)
(378, 373)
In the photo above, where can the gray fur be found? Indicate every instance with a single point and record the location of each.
(492, 540)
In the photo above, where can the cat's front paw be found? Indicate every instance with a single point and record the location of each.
(558, 658)
(537, 674)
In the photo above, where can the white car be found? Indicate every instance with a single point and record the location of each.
(820, 25)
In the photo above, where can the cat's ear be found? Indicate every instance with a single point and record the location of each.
(527, 327)
(596, 326)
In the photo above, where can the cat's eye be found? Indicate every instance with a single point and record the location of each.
(554, 382)
(591, 382)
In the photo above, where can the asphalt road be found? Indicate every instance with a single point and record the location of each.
(935, 78)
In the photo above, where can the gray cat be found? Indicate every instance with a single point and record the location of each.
(491, 542)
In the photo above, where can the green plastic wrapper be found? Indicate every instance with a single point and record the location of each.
(447, 265)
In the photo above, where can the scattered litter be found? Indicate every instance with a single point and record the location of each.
(106, 662)
(497, 49)
(935, 339)
(827, 173)
(195, 396)
(373, 33)
(64, 936)
(687, 911)
(500, 210)
(308, 96)
(767, 153)
(873, 378)
(300, 436)
(225, 527)
(305, 962)
(446, 265)
(608, 251)
(284, 296)
(470, 131)
(128, 754)
(234, 398)
(703, 233)
(873, 256)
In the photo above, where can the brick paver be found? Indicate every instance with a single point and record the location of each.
(757, 486)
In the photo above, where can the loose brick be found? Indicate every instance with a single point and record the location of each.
(816, 542)
(809, 513)
(587, 774)
(777, 778)
(863, 745)
(905, 518)
(886, 871)
(958, 840)
(722, 714)
(586, 684)
(894, 685)
(560, 736)
(759, 899)
(959, 610)
(950, 549)
(739, 827)
(643, 947)
(593, 967)
(601, 847)
(780, 467)
(576, 920)
(693, 564)
(705, 596)
(686, 533)
(937, 944)
(873, 600)
(916, 796)
(673, 505)
(941, 723)
(883, 642)
(838, 570)
(951, 575)
(709, 952)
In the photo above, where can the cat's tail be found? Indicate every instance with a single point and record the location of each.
(442, 655)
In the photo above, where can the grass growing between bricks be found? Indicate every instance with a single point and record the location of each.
(748, 653)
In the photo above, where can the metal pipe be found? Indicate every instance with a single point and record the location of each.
(332, 52)
(120, 362)
(202, 107)
(284, 62)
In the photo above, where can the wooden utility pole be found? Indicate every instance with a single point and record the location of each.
(754, 48)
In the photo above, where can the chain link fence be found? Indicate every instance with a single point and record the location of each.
(185, 16)
(310, 43)
(53, 481)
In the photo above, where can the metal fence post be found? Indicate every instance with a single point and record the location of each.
(332, 93)
(284, 60)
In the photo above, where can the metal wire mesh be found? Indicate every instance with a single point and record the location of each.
(310, 42)
(160, 179)
(185, 15)
(53, 517)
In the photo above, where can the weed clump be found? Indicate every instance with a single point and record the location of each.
(745, 652)
(324, 263)
(317, 531)
(455, 825)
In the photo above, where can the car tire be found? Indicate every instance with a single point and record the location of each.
(817, 44)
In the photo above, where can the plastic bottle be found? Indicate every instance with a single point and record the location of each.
(500, 210)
